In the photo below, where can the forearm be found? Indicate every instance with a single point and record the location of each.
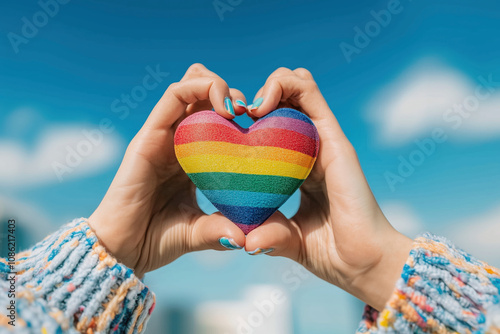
(79, 283)
(441, 289)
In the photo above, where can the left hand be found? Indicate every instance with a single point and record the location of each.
(339, 233)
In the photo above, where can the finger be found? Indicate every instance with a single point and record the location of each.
(215, 232)
(277, 236)
(199, 106)
(279, 72)
(251, 106)
(179, 95)
(303, 73)
(239, 101)
(273, 93)
(285, 84)
(198, 70)
(306, 96)
(260, 96)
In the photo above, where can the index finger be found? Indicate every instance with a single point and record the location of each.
(300, 91)
(179, 95)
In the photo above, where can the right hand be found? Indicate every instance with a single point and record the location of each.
(149, 216)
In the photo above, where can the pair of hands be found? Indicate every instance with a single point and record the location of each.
(149, 216)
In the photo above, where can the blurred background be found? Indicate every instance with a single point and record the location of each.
(414, 84)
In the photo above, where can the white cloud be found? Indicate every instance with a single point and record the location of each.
(28, 216)
(478, 234)
(213, 259)
(58, 146)
(423, 98)
(403, 218)
(264, 309)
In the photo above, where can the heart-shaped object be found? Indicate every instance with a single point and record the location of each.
(247, 173)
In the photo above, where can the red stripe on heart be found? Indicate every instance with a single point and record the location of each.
(287, 139)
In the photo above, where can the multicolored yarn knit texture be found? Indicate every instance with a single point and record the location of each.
(69, 283)
(247, 173)
(442, 289)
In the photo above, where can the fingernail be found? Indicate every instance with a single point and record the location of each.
(261, 251)
(256, 103)
(229, 106)
(229, 243)
(240, 103)
(249, 109)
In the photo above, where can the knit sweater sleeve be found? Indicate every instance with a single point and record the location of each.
(442, 289)
(68, 283)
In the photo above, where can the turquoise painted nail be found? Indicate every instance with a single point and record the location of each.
(261, 251)
(241, 103)
(229, 243)
(257, 103)
(229, 106)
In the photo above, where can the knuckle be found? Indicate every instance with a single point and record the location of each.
(276, 81)
(280, 71)
(219, 82)
(282, 68)
(302, 72)
(196, 68)
(173, 87)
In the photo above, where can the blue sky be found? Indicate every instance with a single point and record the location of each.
(394, 91)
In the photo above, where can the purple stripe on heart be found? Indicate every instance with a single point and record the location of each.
(272, 122)
(288, 124)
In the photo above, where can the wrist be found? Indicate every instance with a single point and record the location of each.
(377, 284)
(113, 236)
(83, 282)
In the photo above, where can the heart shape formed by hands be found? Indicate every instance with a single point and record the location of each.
(247, 174)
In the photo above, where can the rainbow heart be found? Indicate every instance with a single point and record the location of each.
(247, 173)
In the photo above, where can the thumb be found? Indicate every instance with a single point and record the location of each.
(277, 236)
(215, 232)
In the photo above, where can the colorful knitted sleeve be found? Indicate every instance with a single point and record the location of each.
(68, 283)
(442, 289)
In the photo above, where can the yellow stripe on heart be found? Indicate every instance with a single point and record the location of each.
(244, 151)
(205, 163)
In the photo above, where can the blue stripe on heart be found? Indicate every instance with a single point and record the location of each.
(245, 215)
(245, 198)
(290, 113)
